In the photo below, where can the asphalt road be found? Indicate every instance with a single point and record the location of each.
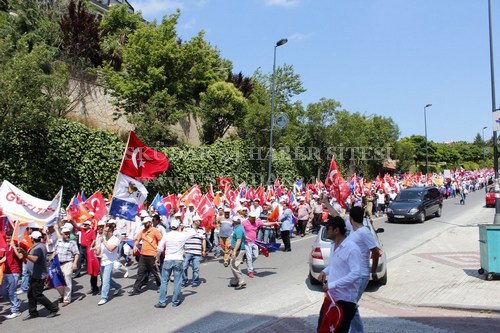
(398, 238)
(279, 290)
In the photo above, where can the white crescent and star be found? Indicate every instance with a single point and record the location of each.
(136, 163)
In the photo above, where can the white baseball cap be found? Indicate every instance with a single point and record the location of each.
(68, 225)
(252, 214)
(175, 223)
(64, 230)
(143, 213)
(197, 218)
(36, 235)
(147, 219)
(227, 210)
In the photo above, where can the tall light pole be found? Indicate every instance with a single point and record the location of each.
(273, 93)
(484, 153)
(426, 150)
(496, 219)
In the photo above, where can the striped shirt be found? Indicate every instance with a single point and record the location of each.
(194, 245)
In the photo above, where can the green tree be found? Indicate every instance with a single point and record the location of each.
(222, 105)
(115, 28)
(162, 78)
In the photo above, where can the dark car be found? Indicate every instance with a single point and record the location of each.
(415, 204)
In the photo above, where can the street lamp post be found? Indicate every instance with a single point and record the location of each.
(426, 150)
(273, 93)
(496, 219)
(484, 153)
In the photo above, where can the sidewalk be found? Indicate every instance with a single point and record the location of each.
(444, 271)
(434, 288)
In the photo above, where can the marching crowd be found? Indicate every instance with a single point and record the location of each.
(166, 247)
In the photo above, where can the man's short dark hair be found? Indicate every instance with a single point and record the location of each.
(9, 233)
(336, 222)
(357, 214)
(156, 217)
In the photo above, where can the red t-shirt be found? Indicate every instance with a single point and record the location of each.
(13, 265)
(86, 237)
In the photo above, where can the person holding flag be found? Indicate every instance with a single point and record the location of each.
(109, 253)
(68, 253)
(341, 278)
(286, 224)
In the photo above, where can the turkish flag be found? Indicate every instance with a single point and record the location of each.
(332, 316)
(206, 212)
(142, 162)
(333, 173)
(193, 195)
(222, 182)
(170, 202)
(250, 195)
(336, 183)
(96, 204)
(210, 192)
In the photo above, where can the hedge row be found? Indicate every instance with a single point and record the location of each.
(63, 153)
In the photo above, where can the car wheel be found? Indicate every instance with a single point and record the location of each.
(313, 280)
(421, 217)
(383, 280)
(438, 212)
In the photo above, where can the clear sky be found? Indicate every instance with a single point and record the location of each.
(384, 57)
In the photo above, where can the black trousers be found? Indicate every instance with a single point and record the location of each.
(349, 309)
(316, 222)
(35, 296)
(301, 227)
(147, 265)
(82, 260)
(285, 236)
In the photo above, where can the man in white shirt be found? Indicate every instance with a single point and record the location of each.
(109, 254)
(341, 278)
(361, 235)
(173, 244)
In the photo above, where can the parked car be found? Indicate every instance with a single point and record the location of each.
(490, 197)
(320, 254)
(415, 204)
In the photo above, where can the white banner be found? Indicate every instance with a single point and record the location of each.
(129, 189)
(19, 205)
(496, 120)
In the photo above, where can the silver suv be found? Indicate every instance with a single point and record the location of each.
(320, 254)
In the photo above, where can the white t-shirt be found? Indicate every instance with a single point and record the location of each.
(108, 257)
(173, 243)
(363, 238)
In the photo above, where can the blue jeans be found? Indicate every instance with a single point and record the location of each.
(107, 281)
(169, 267)
(195, 262)
(25, 282)
(9, 286)
(356, 323)
(266, 235)
(252, 252)
(216, 243)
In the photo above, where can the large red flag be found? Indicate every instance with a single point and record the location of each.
(96, 204)
(336, 183)
(206, 212)
(333, 173)
(142, 162)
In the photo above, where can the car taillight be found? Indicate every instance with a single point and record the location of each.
(316, 253)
